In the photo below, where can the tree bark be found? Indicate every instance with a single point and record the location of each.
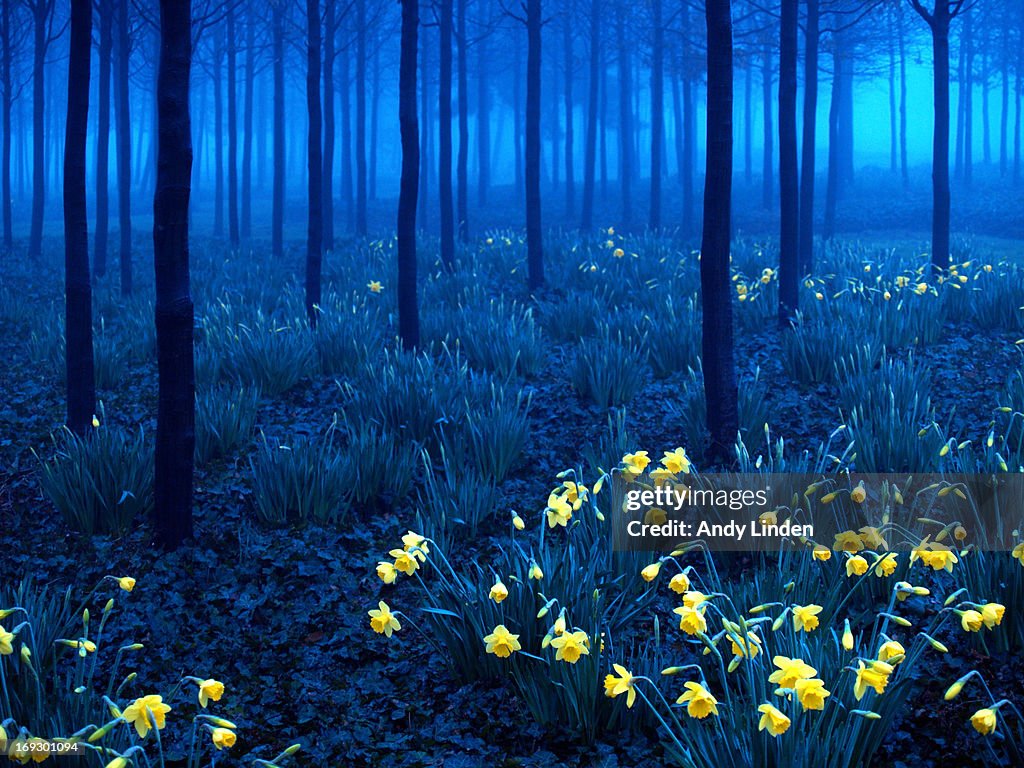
(6, 39)
(218, 135)
(462, 163)
(657, 114)
(361, 224)
(904, 166)
(106, 43)
(767, 163)
(330, 33)
(124, 148)
(250, 81)
(807, 165)
(625, 120)
(720, 392)
(444, 95)
(277, 216)
(483, 120)
(81, 388)
(41, 11)
(374, 111)
(175, 432)
(534, 235)
(590, 149)
(315, 228)
(570, 171)
(832, 183)
(408, 311)
(348, 192)
(788, 179)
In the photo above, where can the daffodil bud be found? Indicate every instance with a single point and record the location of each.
(847, 635)
(672, 670)
(789, 587)
(899, 620)
(26, 655)
(777, 624)
(292, 749)
(109, 606)
(220, 722)
(85, 617)
(921, 591)
(866, 714)
(952, 598)
(954, 690)
(117, 762)
(936, 644)
(735, 662)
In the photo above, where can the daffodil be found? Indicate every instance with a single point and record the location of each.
(691, 620)
(618, 253)
(938, 557)
(6, 642)
(858, 494)
(992, 614)
(417, 545)
(676, 462)
(223, 738)
(535, 572)
(650, 572)
(811, 693)
(847, 541)
(891, 651)
(1018, 553)
(621, 682)
(805, 617)
(746, 649)
(404, 562)
(694, 598)
(874, 675)
(575, 493)
(517, 522)
(387, 572)
(984, 721)
(971, 620)
(210, 690)
(856, 566)
(127, 583)
(375, 286)
(698, 700)
(383, 621)
(886, 566)
(570, 646)
(872, 538)
(146, 713)
(635, 464)
(498, 592)
(772, 719)
(559, 511)
(821, 552)
(501, 642)
(679, 583)
(789, 671)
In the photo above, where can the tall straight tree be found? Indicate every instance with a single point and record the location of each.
(42, 21)
(175, 429)
(806, 204)
(590, 149)
(657, 113)
(361, 223)
(625, 118)
(315, 216)
(483, 116)
(444, 95)
(250, 82)
(720, 392)
(788, 180)
(462, 161)
(277, 214)
(408, 310)
(330, 54)
(105, 8)
(77, 288)
(232, 56)
(534, 234)
(938, 20)
(124, 146)
(6, 84)
(570, 172)
(767, 164)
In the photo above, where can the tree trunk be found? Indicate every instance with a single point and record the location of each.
(748, 123)
(445, 117)
(590, 150)
(517, 109)
(657, 115)
(570, 171)
(462, 164)
(788, 180)
(250, 80)
(408, 312)
(720, 392)
(689, 129)
(625, 121)
(124, 148)
(940, 141)
(81, 388)
(424, 132)
(347, 182)
(807, 165)
(175, 431)
(893, 139)
(1004, 149)
(832, 184)
(218, 136)
(961, 106)
(904, 166)
(232, 132)
(106, 22)
(534, 245)
(767, 164)
(361, 225)
(8, 97)
(41, 13)
(374, 110)
(277, 216)
(330, 36)
(483, 120)
(315, 228)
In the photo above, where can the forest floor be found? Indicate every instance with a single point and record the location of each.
(280, 615)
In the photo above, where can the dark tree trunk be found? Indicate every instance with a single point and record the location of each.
(534, 244)
(41, 14)
(423, 131)
(462, 164)
(361, 224)
(938, 21)
(677, 126)
(832, 183)
(657, 114)
(748, 123)
(517, 109)
(590, 149)
(1017, 109)
(1004, 149)
(81, 386)
(444, 95)
(105, 8)
(348, 193)
(250, 80)
(789, 266)
(689, 130)
(330, 31)
(570, 172)
(233, 229)
(767, 163)
(175, 431)
(8, 97)
(315, 228)
(408, 311)
(846, 135)
(893, 130)
(625, 120)
(374, 111)
(968, 90)
(904, 166)
(218, 136)
(277, 216)
(986, 133)
(483, 120)
(720, 392)
(807, 165)
(124, 147)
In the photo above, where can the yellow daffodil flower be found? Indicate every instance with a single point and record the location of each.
(698, 700)
(417, 545)
(992, 614)
(747, 649)
(886, 566)
(6, 642)
(856, 566)
(848, 541)
(501, 642)
(375, 286)
(223, 738)
(984, 721)
(619, 683)
(210, 690)
(559, 511)
(635, 464)
(570, 646)
(811, 693)
(691, 620)
(383, 621)
(404, 562)
(498, 592)
(805, 617)
(971, 620)
(772, 719)
(875, 675)
(676, 462)
(891, 651)
(679, 583)
(146, 713)
(127, 583)
(858, 494)
(650, 572)
(789, 671)
(821, 552)
(872, 538)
